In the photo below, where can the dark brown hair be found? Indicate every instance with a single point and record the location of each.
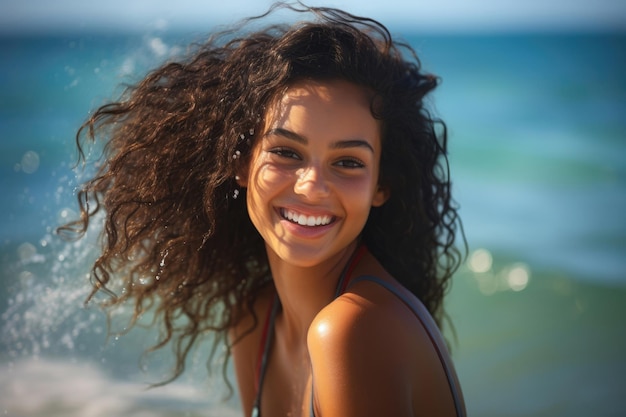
(177, 240)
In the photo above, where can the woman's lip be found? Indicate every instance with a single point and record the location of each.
(304, 231)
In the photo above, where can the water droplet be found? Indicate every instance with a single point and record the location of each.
(162, 263)
(26, 277)
(157, 46)
(480, 261)
(30, 162)
(145, 280)
(66, 215)
(518, 277)
(26, 251)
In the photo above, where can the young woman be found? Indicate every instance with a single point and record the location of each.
(288, 191)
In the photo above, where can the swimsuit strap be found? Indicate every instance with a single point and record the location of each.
(344, 278)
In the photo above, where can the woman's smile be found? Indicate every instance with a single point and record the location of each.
(305, 220)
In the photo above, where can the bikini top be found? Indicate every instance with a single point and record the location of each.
(345, 281)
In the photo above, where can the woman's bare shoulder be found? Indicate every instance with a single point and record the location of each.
(368, 315)
(369, 341)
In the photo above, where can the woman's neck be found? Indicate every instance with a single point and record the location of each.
(304, 291)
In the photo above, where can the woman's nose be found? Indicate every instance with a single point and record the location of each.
(311, 182)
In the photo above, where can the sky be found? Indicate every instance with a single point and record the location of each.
(426, 15)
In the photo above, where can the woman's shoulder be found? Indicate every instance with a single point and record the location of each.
(370, 340)
(374, 304)
(368, 314)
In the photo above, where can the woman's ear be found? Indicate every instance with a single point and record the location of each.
(381, 195)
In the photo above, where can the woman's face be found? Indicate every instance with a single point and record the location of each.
(313, 175)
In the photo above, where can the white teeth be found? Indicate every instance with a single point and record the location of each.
(305, 220)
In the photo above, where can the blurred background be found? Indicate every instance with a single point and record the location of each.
(534, 95)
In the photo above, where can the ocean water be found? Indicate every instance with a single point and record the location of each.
(537, 129)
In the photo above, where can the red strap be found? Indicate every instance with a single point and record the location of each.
(353, 263)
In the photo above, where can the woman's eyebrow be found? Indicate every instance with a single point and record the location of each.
(352, 143)
(279, 131)
(342, 144)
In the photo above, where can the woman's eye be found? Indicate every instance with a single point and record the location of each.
(285, 153)
(350, 163)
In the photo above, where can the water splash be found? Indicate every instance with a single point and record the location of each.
(31, 388)
(45, 311)
(48, 333)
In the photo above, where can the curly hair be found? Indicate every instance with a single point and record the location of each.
(176, 235)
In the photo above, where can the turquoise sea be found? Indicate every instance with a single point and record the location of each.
(538, 156)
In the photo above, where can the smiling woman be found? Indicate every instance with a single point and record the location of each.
(309, 192)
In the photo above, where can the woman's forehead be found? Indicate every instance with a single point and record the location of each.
(306, 94)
